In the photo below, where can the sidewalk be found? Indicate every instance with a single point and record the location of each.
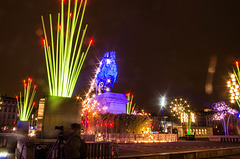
(132, 150)
(196, 154)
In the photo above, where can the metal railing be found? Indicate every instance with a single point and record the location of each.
(106, 150)
(95, 150)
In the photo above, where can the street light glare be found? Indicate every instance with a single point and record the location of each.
(163, 101)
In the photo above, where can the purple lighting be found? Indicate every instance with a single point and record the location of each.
(223, 112)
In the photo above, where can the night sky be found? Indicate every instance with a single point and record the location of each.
(162, 46)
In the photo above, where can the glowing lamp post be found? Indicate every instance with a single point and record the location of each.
(162, 105)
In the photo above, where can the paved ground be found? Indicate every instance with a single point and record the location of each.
(149, 148)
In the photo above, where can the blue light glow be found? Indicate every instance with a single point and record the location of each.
(106, 73)
(3, 155)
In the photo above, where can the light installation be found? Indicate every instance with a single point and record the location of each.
(104, 78)
(180, 108)
(103, 81)
(223, 112)
(63, 53)
(233, 89)
(130, 105)
(25, 102)
(233, 85)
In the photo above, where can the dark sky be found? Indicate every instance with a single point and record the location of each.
(162, 46)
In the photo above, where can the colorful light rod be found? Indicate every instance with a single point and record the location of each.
(25, 107)
(64, 59)
(130, 105)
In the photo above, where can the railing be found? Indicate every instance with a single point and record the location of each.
(108, 150)
(40, 149)
(219, 138)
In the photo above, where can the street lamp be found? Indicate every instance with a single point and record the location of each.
(162, 105)
(163, 101)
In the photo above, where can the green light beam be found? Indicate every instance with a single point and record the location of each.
(65, 60)
(25, 107)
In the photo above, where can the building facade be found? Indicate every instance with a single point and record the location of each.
(8, 111)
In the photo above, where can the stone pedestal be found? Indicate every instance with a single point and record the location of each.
(59, 111)
(22, 128)
(115, 102)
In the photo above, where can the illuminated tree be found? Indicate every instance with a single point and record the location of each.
(181, 109)
(64, 58)
(223, 112)
(25, 103)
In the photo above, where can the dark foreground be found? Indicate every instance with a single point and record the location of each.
(228, 157)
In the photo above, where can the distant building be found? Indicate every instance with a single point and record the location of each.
(8, 111)
(199, 131)
(201, 117)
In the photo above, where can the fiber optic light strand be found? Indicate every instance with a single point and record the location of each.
(64, 58)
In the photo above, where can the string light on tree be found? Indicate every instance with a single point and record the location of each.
(233, 89)
(181, 108)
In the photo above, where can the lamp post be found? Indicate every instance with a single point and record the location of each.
(162, 105)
